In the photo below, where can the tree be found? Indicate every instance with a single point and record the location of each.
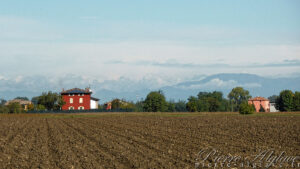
(171, 106)
(237, 96)
(116, 104)
(51, 101)
(192, 104)
(15, 107)
(285, 101)
(122, 104)
(2, 102)
(246, 108)
(139, 106)
(40, 107)
(4, 109)
(22, 98)
(273, 98)
(297, 101)
(180, 106)
(31, 107)
(155, 102)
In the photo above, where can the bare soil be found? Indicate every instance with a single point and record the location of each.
(136, 140)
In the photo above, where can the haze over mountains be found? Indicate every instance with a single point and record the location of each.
(136, 90)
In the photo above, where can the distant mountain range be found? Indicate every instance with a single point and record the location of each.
(132, 90)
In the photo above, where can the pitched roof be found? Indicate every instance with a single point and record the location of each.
(76, 91)
(258, 99)
(20, 101)
(93, 98)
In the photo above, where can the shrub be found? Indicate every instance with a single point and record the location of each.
(15, 108)
(4, 109)
(246, 108)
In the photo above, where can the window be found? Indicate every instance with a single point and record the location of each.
(80, 108)
(80, 100)
(71, 100)
(71, 108)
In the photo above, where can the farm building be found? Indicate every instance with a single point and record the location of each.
(273, 107)
(259, 102)
(79, 99)
(24, 103)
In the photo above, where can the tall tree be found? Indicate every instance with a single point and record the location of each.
(297, 101)
(285, 101)
(51, 101)
(155, 102)
(192, 104)
(180, 106)
(237, 96)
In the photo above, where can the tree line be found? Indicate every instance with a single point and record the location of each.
(155, 101)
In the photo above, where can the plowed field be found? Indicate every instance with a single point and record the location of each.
(139, 141)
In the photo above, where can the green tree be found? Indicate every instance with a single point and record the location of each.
(4, 109)
(245, 108)
(273, 98)
(171, 106)
(15, 107)
(30, 107)
(139, 106)
(22, 98)
(297, 101)
(155, 102)
(40, 107)
(51, 101)
(116, 104)
(180, 106)
(285, 101)
(192, 104)
(237, 96)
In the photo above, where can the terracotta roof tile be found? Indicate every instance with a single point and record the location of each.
(258, 99)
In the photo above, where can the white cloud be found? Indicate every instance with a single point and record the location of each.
(217, 83)
(32, 47)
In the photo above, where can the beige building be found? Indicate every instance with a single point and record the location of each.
(24, 103)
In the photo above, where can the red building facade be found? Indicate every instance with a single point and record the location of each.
(76, 99)
(259, 102)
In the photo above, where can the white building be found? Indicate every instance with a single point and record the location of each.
(94, 103)
(273, 108)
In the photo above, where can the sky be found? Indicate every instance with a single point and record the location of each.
(168, 41)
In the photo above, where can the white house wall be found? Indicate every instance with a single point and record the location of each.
(94, 104)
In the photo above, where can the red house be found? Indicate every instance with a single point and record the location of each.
(79, 99)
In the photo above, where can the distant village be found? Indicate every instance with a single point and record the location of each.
(77, 99)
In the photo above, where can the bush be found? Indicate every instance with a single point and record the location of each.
(15, 108)
(4, 109)
(246, 108)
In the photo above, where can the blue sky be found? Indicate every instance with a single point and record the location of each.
(168, 41)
